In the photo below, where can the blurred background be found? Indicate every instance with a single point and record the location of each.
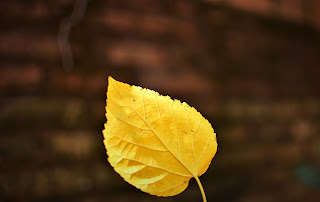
(251, 67)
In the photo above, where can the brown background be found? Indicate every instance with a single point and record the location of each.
(250, 67)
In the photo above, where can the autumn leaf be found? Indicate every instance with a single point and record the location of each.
(155, 143)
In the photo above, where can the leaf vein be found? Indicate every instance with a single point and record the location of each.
(159, 116)
(126, 121)
(173, 187)
(154, 166)
(204, 150)
(192, 141)
(176, 130)
(161, 150)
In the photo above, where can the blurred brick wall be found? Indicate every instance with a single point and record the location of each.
(250, 67)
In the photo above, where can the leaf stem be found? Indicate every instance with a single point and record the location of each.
(201, 189)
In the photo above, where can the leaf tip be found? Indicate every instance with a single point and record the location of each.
(110, 79)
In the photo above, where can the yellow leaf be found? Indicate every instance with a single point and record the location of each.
(155, 143)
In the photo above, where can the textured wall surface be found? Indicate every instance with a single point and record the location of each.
(250, 67)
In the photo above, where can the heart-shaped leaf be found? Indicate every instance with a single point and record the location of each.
(155, 143)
